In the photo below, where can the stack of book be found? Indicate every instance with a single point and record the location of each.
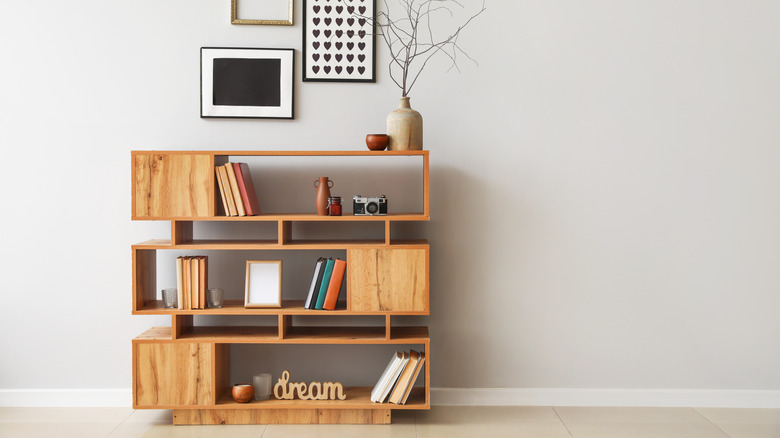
(192, 281)
(237, 190)
(326, 284)
(396, 382)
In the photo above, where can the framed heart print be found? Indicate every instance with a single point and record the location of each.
(339, 41)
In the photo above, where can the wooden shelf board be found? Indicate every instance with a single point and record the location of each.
(297, 335)
(236, 307)
(297, 217)
(358, 397)
(356, 153)
(221, 244)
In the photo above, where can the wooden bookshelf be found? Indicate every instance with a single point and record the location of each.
(185, 367)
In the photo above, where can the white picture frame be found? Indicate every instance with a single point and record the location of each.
(263, 283)
(250, 83)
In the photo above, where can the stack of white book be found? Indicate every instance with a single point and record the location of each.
(396, 382)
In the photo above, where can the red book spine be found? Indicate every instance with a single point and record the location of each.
(247, 189)
(339, 267)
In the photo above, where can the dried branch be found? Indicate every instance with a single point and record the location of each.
(410, 46)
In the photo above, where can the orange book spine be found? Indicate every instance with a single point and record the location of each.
(339, 267)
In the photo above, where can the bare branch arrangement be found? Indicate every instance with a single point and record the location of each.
(412, 42)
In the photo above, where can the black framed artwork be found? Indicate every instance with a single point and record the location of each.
(246, 83)
(339, 43)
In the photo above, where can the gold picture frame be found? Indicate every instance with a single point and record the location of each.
(263, 283)
(268, 22)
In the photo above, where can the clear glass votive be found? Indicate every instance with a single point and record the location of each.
(214, 297)
(169, 296)
(262, 384)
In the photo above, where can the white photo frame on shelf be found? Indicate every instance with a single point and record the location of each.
(263, 283)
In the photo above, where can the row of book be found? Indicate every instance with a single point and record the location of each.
(192, 280)
(326, 284)
(237, 190)
(396, 382)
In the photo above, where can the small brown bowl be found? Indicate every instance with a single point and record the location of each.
(377, 142)
(243, 392)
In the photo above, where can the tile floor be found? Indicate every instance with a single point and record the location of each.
(441, 421)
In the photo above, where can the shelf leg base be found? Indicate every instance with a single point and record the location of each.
(281, 416)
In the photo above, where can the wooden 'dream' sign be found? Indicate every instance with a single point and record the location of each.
(313, 391)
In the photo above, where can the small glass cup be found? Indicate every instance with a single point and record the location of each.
(170, 298)
(214, 298)
(262, 384)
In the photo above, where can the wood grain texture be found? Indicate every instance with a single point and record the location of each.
(169, 185)
(281, 416)
(181, 232)
(173, 374)
(144, 278)
(388, 280)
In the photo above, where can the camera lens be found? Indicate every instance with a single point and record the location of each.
(372, 207)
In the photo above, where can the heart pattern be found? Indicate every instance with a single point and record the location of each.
(339, 36)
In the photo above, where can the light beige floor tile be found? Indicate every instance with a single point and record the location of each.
(751, 430)
(151, 416)
(64, 414)
(503, 421)
(488, 414)
(402, 427)
(635, 429)
(145, 430)
(628, 415)
(745, 423)
(725, 415)
(70, 429)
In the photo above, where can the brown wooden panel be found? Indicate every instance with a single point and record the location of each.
(173, 185)
(173, 374)
(391, 280)
(144, 278)
(281, 416)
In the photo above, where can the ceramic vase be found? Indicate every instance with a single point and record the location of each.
(323, 186)
(405, 128)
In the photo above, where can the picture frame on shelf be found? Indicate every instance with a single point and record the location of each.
(247, 83)
(339, 41)
(263, 283)
(262, 12)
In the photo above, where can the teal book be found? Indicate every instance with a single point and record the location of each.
(324, 285)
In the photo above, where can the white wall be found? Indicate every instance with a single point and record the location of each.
(605, 194)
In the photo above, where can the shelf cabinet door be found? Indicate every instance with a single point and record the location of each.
(173, 185)
(388, 279)
(171, 374)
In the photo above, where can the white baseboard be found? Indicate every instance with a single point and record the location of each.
(455, 397)
(38, 398)
(704, 398)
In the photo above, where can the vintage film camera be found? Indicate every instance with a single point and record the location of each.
(364, 206)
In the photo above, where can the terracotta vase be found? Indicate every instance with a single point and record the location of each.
(323, 194)
(405, 128)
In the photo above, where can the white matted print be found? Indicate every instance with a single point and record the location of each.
(246, 83)
(263, 283)
(339, 40)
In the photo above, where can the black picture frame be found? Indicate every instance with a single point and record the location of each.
(247, 83)
(339, 45)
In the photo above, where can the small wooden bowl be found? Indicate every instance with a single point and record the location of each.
(243, 392)
(377, 142)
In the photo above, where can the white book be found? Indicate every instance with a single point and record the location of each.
(317, 267)
(394, 378)
(384, 380)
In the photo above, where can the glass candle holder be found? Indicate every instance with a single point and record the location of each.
(214, 297)
(169, 297)
(262, 384)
